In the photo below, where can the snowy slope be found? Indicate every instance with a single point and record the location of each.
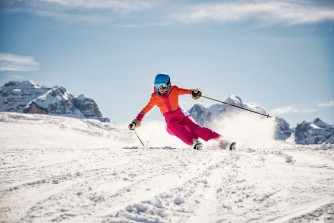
(69, 170)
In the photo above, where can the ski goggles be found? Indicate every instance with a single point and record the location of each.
(161, 86)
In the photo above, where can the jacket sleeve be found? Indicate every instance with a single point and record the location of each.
(184, 91)
(146, 109)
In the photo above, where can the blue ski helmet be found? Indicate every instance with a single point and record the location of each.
(162, 81)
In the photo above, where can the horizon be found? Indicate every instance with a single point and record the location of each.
(242, 114)
(276, 54)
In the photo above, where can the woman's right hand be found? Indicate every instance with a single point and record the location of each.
(135, 123)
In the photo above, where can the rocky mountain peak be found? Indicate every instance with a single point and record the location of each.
(29, 97)
(15, 95)
(315, 132)
(234, 100)
(318, 122)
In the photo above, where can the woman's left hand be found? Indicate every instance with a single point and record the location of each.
(196, 93)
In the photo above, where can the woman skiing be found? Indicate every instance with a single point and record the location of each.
(166, 96)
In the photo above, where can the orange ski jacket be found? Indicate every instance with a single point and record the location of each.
(166, 103)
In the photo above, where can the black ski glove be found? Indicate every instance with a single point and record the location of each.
(135, 123)
(196, 93)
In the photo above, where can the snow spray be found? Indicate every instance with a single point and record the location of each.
(154, 134)
(247, 129)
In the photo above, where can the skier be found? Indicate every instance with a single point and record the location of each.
(166, 96)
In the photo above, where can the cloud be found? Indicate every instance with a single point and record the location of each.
(291, 109)
(287, 11)
(12, 62)
(17, 77)
(326, 104)
(84, 7)
(168, 12)
(93, 11)
(284, 110)
(118, 5)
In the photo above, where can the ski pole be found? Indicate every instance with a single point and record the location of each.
(139, 138)
(268, 116)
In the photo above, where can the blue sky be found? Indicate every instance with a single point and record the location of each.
(277, 54)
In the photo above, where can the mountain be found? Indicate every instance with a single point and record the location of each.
(29, 97)
(15, 95)
(61, 169)
(315, 132)
(204, 115)
(283, 130)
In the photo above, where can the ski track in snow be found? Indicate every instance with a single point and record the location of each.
(107, 179)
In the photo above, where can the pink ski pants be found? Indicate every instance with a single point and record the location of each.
(186, 129)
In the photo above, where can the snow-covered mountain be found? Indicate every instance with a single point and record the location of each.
(60, 169)
(283, 130)
(29, 97)
(315, 132)
(15, 95)
(205, 116)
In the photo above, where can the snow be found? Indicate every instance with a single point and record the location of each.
(75, 170)
(321, 124)
(16, 91)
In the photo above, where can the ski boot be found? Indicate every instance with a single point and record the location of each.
(223, 144)
(233, 146)
(197, 144)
